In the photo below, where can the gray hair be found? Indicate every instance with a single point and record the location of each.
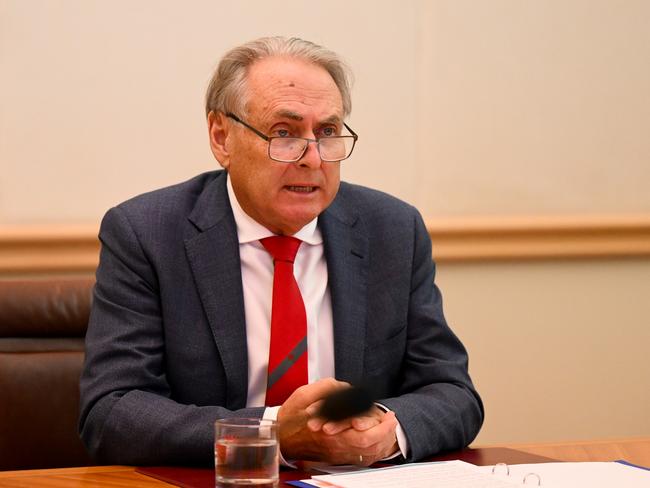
(227, 90)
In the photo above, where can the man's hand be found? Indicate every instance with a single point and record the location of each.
(358, 440)
(294, 414)
(371, 437)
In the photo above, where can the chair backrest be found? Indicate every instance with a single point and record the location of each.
(42, 329)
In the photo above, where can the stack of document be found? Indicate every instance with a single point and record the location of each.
(459, 474)
(572, 475)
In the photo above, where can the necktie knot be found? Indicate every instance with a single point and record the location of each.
(282, 248)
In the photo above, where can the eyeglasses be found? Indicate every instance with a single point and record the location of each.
(292, 149)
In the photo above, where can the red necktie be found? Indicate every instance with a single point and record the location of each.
(288, 351)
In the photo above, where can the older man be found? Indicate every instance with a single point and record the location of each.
(246, 291)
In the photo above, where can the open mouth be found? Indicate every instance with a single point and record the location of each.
(301, 189)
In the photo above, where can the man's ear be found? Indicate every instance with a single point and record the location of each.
(218, 128)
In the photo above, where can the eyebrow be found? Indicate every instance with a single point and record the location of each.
(332, 119)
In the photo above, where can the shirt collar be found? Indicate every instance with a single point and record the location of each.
(249, 230)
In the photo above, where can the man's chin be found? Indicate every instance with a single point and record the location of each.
(294, 221)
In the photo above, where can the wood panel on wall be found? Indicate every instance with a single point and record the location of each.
(48, 249)
(69, 249)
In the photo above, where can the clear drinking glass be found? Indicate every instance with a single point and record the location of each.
(246, 453)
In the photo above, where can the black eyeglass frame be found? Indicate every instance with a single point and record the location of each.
(268, 139)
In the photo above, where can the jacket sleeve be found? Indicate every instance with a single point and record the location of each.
(437, 405)
(128, 415)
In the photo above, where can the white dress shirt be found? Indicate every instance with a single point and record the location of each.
(257, 281)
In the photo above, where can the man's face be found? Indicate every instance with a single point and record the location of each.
(286, 97)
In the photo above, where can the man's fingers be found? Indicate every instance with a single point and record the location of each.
(364, 423)
(368, 420)
(369, 446)
(313, 409)
(357, 423)
(381, 432)
(373, 443)
(306, 435)
(333, 428)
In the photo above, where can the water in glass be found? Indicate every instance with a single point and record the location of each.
(246, 462)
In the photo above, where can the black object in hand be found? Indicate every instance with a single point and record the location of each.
(346, 403)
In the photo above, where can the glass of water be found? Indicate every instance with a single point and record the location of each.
(246, 453)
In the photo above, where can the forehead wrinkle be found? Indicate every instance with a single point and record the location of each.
(277, 109)
(289, 114)
(290, 88)
(284, 94)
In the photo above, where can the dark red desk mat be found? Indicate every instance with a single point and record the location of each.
(204, 477)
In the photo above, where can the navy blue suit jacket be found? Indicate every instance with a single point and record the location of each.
(166, 346)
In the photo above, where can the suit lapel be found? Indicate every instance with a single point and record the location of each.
(346, 251)
(213, 254)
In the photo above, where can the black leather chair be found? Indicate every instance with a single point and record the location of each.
(42, 329)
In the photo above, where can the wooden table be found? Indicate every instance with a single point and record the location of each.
(114, 476)
(122, 476)
(633, 450)
(636, 451)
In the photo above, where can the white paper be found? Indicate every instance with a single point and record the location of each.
(452, 474)
(572, 475)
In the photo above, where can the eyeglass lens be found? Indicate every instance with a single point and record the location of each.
(292, 148)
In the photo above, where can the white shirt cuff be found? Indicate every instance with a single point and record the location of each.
(271, 413)
(402, 442)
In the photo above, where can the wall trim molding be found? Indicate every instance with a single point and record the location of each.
(47, 249)
(539, 237)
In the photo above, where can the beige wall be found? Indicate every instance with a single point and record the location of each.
(464, 108)
(558, 350)
(534, 106)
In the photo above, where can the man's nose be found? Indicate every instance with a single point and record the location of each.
(311, 158)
